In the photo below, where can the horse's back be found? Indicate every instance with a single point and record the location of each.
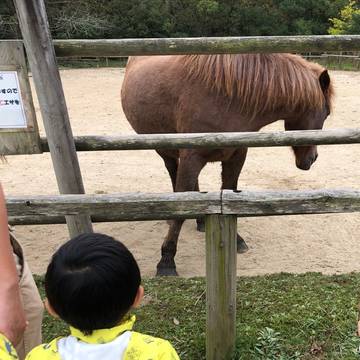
(159, 97)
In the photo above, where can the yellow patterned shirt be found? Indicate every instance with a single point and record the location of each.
(117, 343)
(7, 351)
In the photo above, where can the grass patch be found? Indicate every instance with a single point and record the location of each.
(345, 65)
(85, 63)
(283, 316)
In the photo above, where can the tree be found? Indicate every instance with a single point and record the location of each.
(348, 22)
(8, 22)
(309, 17)
(183, 18)
(76, 19)
(256, 18)
(139, 18)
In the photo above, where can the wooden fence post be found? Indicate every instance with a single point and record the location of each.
(221, 286)
(39, 48)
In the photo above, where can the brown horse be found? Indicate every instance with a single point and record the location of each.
(220, 93)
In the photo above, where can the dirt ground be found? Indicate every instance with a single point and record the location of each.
(324, 243)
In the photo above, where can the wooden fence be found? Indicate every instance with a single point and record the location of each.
(332, 61)
(214, 140)
(338, 61)
(188, 205)
(215, 45)
(220, 208)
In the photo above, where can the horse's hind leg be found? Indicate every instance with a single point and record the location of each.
(230, 174)
(188, 171)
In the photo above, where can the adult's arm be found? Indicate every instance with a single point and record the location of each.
(12, 317)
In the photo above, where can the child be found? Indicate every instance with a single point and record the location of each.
(91, 283)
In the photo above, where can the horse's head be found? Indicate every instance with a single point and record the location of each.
(311, 120)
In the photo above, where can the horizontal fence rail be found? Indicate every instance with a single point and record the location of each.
(122, 206)
(144, 206)
(266, 203)
(210, 45)
(214, 140)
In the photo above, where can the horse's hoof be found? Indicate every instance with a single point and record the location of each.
(241, 246)
(200, 225)
(166, 272)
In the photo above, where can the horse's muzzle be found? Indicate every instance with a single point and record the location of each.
(305, 164)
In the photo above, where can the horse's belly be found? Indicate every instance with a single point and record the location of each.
(216, 155)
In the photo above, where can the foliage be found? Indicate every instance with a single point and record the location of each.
(180, 18)
(349, 20)
(283, 316)
(78, 23)
(309, 16)
(268, 346)
(77, 19)
(8, 21)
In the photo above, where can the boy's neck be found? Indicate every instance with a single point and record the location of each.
(105, 335)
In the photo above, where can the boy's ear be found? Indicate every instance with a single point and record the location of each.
(139, 296)
(50, 309)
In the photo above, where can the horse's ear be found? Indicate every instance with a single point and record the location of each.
(324, 80)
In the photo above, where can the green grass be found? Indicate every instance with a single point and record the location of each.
(333, 64)
(282, 316)
(91, 63)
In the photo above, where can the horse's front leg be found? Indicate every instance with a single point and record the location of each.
(171, 162)
(166, 265)
(188, 171)
(230, 175)
(200, 222)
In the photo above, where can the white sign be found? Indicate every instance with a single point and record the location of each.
(12, 114)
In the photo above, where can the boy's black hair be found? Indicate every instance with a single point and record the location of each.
(92, 281)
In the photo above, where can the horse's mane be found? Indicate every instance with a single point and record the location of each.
(261, 82)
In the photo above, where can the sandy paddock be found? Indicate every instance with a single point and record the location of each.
(325, 243)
